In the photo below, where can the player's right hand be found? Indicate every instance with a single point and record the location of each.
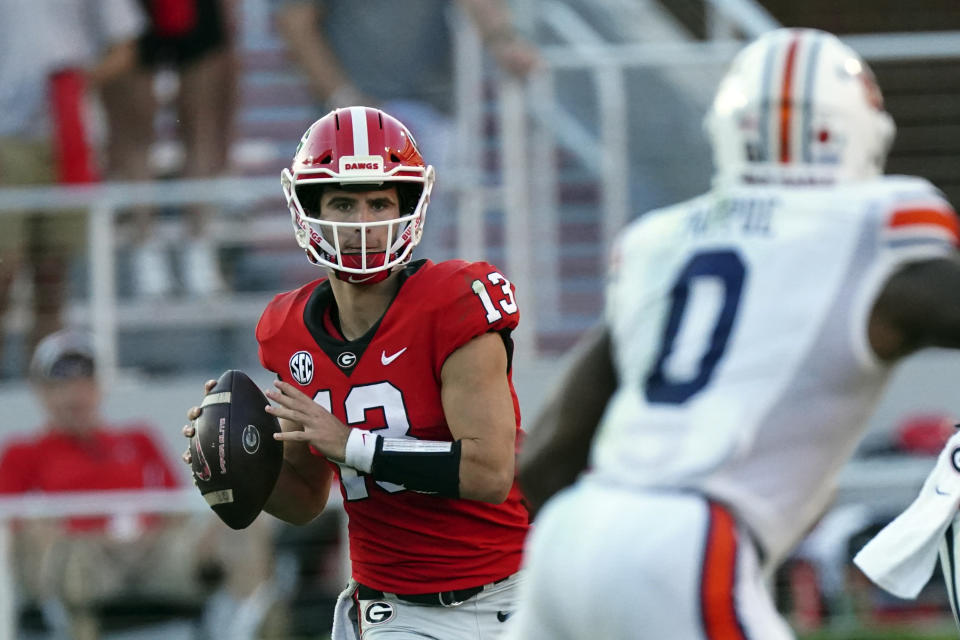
(192, 414)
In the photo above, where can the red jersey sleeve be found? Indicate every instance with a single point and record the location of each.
(275, 317)
(478, 299)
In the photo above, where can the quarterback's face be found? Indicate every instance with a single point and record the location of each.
(381, 205)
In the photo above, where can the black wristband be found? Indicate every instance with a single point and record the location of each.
(427, 466)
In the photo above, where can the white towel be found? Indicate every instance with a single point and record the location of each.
(949, 547)
(343, 627)
(901, 557)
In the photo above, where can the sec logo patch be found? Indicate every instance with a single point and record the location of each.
(301, 367)
(378, 612)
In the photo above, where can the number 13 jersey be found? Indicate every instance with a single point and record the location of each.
(739, 329)
(388, 381)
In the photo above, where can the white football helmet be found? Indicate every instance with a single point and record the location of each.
(797, 106)
(358, 148)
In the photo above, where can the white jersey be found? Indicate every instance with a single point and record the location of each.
(739, 331)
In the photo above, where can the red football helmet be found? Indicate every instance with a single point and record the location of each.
(365, 149)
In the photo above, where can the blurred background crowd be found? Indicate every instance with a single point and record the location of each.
(142, 231)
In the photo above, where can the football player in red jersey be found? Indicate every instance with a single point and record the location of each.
(395, 376)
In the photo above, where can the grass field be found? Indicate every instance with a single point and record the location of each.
(884, 634)
(940, 629)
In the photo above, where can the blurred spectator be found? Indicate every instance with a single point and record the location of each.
(924, 434)
(193, 40)
(397, 56)
(316, 553)
(72, 567)
(48, 51)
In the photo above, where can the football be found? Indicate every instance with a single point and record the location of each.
(236, 460)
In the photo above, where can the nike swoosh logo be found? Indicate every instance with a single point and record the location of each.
(385, 359)
(940, 493)
(355, 280)
(503, 615)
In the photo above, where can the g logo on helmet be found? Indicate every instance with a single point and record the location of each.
(301, 367)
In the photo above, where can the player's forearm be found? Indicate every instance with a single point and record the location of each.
(484, 475)
(917, 308)
(556, 449)
(548, 466)
(295, 499)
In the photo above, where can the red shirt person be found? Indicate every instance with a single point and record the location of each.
(83, 561)
(77, 449)
(395, 376)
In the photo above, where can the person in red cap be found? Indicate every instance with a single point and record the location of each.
(76, 564)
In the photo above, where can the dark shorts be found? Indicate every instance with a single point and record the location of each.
(26, 163)
(209, 34)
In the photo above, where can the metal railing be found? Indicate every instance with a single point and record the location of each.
(528, 186)
(607, 62)
(33, 506)
(112, 503)
(103, 202)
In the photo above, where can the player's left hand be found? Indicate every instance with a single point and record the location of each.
(321, 429)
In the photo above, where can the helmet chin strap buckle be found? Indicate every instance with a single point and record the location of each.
(303, 240)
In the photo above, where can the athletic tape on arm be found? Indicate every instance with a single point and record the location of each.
(428, 466)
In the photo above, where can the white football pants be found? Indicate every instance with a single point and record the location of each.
(482, 617)
(618, 564)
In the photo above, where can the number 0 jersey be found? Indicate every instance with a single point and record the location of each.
(388, 381)
(739, 332)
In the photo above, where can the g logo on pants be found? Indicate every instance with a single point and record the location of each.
(378, 612)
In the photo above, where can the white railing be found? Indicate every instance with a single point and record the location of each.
(186, 501)
(32, 506)
(607, 63)
(529, 181)
(100, 503)
(102, 202)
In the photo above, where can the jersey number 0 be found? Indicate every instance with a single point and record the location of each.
(724, 267)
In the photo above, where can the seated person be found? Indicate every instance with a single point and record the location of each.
(72, 566)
